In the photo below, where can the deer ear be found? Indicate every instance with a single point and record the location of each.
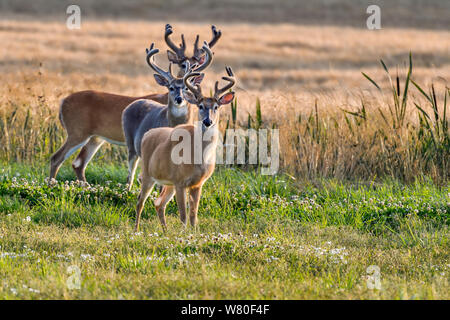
(172, 57)
(202, 59)
(198, 79)
(226, 98)
(161, 80)
(189, 97)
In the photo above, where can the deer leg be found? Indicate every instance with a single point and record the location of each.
(181, 202)
(147, 185)
(87, 152)
(132, 165)
(68, 148)
(160, 204)
(194, 199)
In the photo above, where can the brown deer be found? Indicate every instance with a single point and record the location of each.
(91, 117)
(161, 163)
(144, 114)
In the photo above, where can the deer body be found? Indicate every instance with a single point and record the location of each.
(159, 146)
(90, 118)
(106, 121)
(143, 115)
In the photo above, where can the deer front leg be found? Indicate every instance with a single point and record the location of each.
(166, 195)
(132, 165)
(194, 199)
(147, 185)
(181, 202)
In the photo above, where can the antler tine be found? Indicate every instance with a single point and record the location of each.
(178, 50)
(150, 52)
(197, 50)
(188, 66)
(183, 43)
(231, 82)
(208, 60)
(216, 36)
(229, 71)
(197, 91)
(150, 60)
(150, 48)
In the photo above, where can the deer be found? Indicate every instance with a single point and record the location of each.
(92, 117)
(144, 114)
(160, 145)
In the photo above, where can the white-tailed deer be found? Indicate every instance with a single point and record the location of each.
(91, 117)
(160, 146)
(143, 114)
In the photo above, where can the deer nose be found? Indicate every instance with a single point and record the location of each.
(179, 100)
(207, 122)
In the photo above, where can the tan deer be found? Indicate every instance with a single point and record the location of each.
(91, 117)
(144, 114)
(161, 162)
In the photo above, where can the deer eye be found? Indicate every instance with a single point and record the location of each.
(200, 107)
(215, 107)
(183, 66)
(171, 89)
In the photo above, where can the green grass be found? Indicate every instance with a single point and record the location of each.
(259, 237)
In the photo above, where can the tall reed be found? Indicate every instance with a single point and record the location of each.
(401, 133)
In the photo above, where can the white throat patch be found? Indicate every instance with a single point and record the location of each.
(179, 111)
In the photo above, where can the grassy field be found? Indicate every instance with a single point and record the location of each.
(364, 154)
(271, 239)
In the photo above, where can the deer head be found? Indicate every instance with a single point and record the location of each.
(176, 85)
(209, 107)
(178, 53)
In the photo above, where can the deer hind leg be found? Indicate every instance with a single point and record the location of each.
(147, 185)
(87, 152)
(181, 202)
(166, 195)
(194, 199)
(68, 148)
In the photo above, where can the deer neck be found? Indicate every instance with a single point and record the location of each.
(178, 114)
(210, 136)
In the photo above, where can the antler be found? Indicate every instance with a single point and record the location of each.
(208, 58)
(230, 79)
(179, 51)
(150, 60)
(197, 91)
(216, 36)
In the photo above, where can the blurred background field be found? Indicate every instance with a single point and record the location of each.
(290, 55)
